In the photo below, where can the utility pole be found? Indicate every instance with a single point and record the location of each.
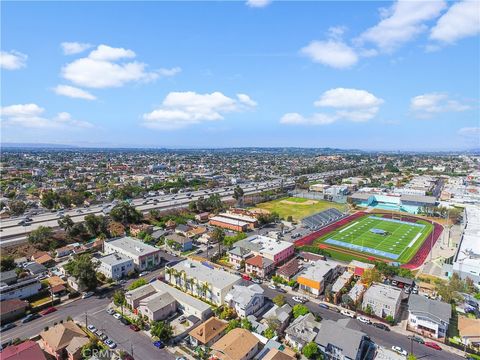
(86, 319)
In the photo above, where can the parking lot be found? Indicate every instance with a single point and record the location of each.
(125, 338)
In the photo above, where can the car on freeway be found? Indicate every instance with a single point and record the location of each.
(399, 350)
(87, 295)
(134, 327)
(364, 320)
(347, 313)
(325, 306)
(92, 328)
(158, 344)
(48, 310)
(117, 316)
(433, 345)
(381, 326)
(110, 311)
(7, 327)
(30, 317)
(417, 339)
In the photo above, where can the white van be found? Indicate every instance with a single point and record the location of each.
(347, 313)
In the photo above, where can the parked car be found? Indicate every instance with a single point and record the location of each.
(7, 327)
(246, 277)
(159, 344)
(399, 350)
(433, 345)
(272, 287)
(335, 309)
(417, 339)
(87, 295)
(117, 316)
(325, 306)
(364, 320)
(299, 299)
(110, 343)
(98, 333)
(347, 313)
(48, 310)
(381, 326)
(110, 311)
(30, 317)
(134, 327)
(257, 281)
(124, 321)
(143, 273)
(92, 328)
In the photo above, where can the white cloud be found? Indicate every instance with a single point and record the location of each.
(460, 21)
(258, 3)
(73, 92)
(426, 105)
(401, 23)
(470, 132)
(169, 72)
(12, 60)
(31, 116)
(71, 48)
(102, 69)
(334, 53)
(347, 104)
(181, 109)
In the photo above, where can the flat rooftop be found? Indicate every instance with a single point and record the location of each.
(132, 246)
(264, 244)
(229, 221)
(207, 273)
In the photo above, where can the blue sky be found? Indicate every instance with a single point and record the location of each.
(369, 75)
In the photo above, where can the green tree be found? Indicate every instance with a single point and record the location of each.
(119, 298)
(299, 310)
(162, 330)
(390, 319)
(7, 263)
(310, 350)
(370, 276)
(238, 195)
(246, 324)
(233, 324)
(218, 235)
(17, 207)
(126, 214)
(137, 283)
(269, 333)
(84, 270)
(66, 223)
(41, 237)
(96, 225)
(279, 300)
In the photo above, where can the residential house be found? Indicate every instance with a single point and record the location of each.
(182, 229)
(428, 317)
(314, 278)
(277, 251)
(281, 314)
(19, 262)
(139, 299)
(246, 300)
(136, 229)
(339, 285)
(75, 284)
(57, 340)
(158, 306)
(115, 266)
(258, 266)
(64, 251)
(288, 270)
(179, 242)
(357, 267)
(57, 285)
(202, 217)
(382, 300)
(45, 260)
(12, 309)
(27, 350)
(276, 354)
(301, 331)
(238, 344)
(469, 331)
(18, 288)
(274, 350)
(356, 292)
(338, 340)
(144, 256)
(202, 279)
(196, 232)
(36, 269)
(208, 332)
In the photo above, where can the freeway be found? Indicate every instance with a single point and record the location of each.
(11, 232)
(380, 337)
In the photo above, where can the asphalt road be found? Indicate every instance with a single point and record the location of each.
(380, 337)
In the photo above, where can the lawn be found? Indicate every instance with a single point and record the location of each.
(379, 237)
(298, 208)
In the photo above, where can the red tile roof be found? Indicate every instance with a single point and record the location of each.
(28, 350)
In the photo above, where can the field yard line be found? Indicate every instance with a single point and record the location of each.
(414, 239)
(408, 247)
(349, 226)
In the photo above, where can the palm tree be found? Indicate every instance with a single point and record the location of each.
(184, 276)
(170, 271)
(190, 283)
(205, 288)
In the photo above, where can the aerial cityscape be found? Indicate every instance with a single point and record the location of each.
(240, 180)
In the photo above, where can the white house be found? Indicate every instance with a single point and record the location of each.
(115, 266)
(246, 300)
(428, 317)
(144, 256)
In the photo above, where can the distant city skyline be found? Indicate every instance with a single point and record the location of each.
(397, 75)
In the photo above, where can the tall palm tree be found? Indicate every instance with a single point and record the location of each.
(184, 276)
(205, 287)
(169, 271)
(190, 283)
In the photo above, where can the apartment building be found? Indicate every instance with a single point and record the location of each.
(383, 300)
(144, 256)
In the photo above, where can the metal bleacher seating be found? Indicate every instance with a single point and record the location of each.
(321, 219)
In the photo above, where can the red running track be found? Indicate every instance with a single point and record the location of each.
(416, 261)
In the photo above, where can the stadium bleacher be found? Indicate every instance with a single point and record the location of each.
(321, 219)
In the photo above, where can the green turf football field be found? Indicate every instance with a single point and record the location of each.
(399, 243)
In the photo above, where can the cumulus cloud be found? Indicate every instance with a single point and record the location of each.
(71, 48)
(182, 109)
(401, 23)
(461, 20)
(169, 72)
(31, 116)
(427, 105)
(73, 92)
(344, 104)
(258, 3)
(105, 67)
(12, 60)
(333, 52)
(470, 132)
